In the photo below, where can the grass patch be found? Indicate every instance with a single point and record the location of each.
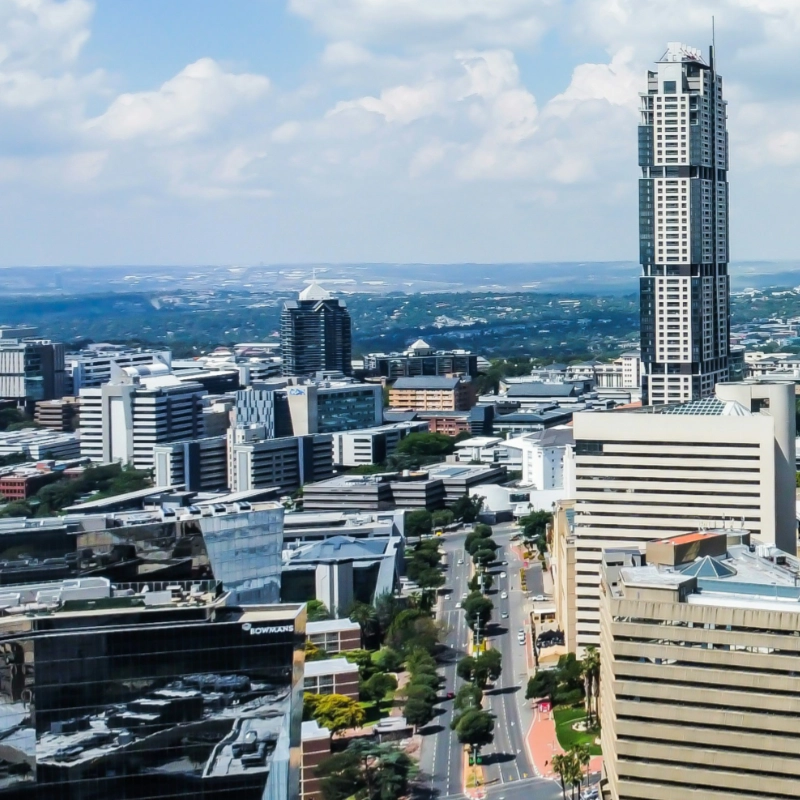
(375, 712)
(565, 718)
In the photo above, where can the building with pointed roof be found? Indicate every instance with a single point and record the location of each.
(315, 334)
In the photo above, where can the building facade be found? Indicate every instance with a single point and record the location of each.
(432, 394)
(683, 224)
(699, 687)
(200, 465)
(30, 369)
(158, 696)
(91, 367)
(142, 407)
(421, 359)
(315, 334)
(372, 445)
(640, 475)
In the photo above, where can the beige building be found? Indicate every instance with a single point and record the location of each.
(563, 570)
(432, 393)
(645, 473)
(700, 688)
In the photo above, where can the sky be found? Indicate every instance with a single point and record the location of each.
(330, 131)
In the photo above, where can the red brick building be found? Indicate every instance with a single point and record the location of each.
(316, 747)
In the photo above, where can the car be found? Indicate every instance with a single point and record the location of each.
(521, 632)
(540, 598)
(503, 595)
(458, 605)
(464, 595)
(451, 695)
(447, 597)
(504, 615)
(505, 563)
(460, 562)
(521, 640)
(502, 575)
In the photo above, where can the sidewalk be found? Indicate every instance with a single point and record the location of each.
(543, 745)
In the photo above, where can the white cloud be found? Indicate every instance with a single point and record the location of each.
(410, 22)
(183, 107)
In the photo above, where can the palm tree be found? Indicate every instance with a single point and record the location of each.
(583, 757)
(366, 617)
(562, 766)
(590, 666)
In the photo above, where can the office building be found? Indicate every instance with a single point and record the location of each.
(435, 393)
(545, 459)
(149, 695)
(302, 408)
(683, 229)
(233, 543)
(421, 359)
(315, 334)
(699, 684)
(123, 420)
(37, 444)
(59, 415)
(307, 526)
(334, 636)
(199, 465)
(331, 676)
(31, 369)
(643, 473)
(316, 747)
(286, 463)
(91, 367)
(564, 571)
(372, 445)
(341, 570)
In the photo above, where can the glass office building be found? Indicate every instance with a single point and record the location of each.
(122, 696)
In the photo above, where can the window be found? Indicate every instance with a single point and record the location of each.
(670, 87)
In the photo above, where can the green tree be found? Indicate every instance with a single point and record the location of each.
(387, 770)
(387, 607)
(366, 666)
(337, 712)
(465, 668)
(442, 518)
(484, 556)
(569, 672)
(340, 776)
(366, 617)
(314, 653)
(590, 667)
(564, 767)
(492, 661)
(418, 523)
(543, 684)
(426, 447)
(418, 712)
(377, 686)
(584, 757)
(466, 508)
(418, 691)
(317, 611)
(387, 660)
(474, 727)
(477, 608)
(413, 628)
(17, 508)
(468, 696)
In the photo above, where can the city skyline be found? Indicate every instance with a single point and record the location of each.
(355, 131)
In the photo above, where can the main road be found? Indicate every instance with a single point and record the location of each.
(508, 771)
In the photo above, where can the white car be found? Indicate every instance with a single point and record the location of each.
(504, 615)
(460, 561)
(503, 595)
(502, 575)
(540, 598)
(458, 605)
(464, 596)
(521, 640)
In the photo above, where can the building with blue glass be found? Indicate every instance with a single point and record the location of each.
(683, 229)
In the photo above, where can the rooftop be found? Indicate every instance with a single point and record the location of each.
(329, 666)
(331, 626)
(315, 292)
(534, 389)
(427, 382)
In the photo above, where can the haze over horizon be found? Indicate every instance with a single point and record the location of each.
(351, 131)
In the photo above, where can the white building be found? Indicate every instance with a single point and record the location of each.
(140, 408)
(200, 465)
(30, 368)
(91, 367)
(543, 458)
(372, 445)
(38, 444)
(683, 229)
(728, 459)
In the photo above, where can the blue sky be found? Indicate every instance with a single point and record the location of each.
(312, 131)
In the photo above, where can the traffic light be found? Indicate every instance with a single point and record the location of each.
(479, 759)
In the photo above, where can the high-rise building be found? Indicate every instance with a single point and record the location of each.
(645, 473)
(31, 369)
(683, 229)
(161, 694)
(315, 333)
(91, 367)
(699, 683)
(141, 407)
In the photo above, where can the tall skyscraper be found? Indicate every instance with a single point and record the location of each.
(683, 229)
(315, 333)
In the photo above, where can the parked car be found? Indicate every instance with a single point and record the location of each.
(458, 605)
(503, 595)
(540, 598)
(502, 575)
(504, 615)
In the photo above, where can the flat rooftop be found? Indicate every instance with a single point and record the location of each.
(329, 666)
(331, 626)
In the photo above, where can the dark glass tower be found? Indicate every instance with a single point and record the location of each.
(683, 229)
(315, 334)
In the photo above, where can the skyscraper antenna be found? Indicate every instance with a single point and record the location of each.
(713, 44)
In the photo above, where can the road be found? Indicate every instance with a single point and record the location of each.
(508, 771)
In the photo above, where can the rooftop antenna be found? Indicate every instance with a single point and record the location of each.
(713, 44)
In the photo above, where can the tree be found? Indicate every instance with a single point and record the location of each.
(386, 608)
(590, 667)
(584, 757)
(314, 653)
(468, 696)
(337, 712)
(317, 611)
(18, 508)
(466, 508)
(465, 668)
(543, 684)
(474, 538)
(474, 727)
(563, 767)
(413, 629)
(442, 518)
(418, 523)
(492, 661)
(340, 776)
(387, 660)
(420, 691)
(484, 557)
(385, 769)
(365, 616)
(419, 660)
(375, 688)
(366, 666)
(477, 609)
(418, 712)
(569, 672)
(425, 447)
